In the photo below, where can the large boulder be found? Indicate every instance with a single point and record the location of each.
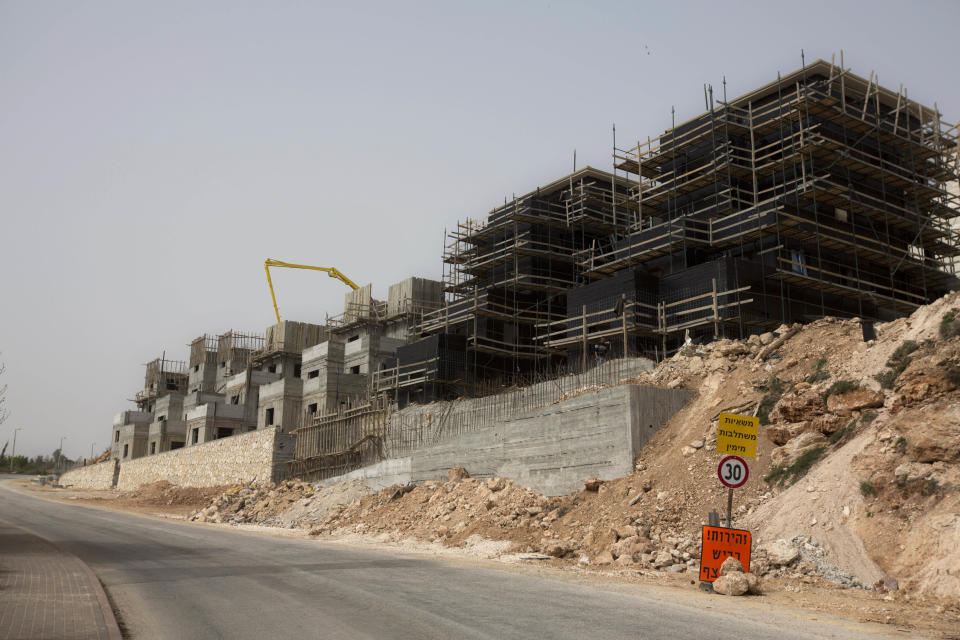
(457, 473)
(786, 455)
(732, 348)
(730, 564)
(797, 407)
(938, 438)
(782, 433)
(923, 380)
(781, 553)
(856, 400)
(827, 423)
(734, 583)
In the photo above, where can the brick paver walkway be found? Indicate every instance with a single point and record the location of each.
(47, 593)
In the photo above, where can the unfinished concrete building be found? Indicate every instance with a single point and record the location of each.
(231, 406)
(164, 381)
(130, 429)
(821, 193)
(502, 277)
(280, 401)
(168, 430)
(203, 364)
(236, 382)
(326, 385)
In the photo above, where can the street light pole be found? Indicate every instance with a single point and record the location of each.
(14, 447)
(92, 445)
(60, 452)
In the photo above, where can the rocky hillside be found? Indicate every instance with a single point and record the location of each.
(857, 479)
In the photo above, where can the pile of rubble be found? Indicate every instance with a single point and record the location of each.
(287, 504)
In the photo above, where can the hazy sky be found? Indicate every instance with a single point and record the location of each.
(152, 155)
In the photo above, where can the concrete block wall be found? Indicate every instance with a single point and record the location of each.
(94, 476)
(552, 449)
(258, 455)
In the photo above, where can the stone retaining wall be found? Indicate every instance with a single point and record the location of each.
(258, 455)
(94, 476)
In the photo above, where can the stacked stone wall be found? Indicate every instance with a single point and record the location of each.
(254, 456)
(94, 476)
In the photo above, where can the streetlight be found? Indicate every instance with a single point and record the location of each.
(14, 447)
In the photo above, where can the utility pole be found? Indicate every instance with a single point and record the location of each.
(92, 445)
(60, 452)
(14, 452)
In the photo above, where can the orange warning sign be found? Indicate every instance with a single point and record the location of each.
(718, 545)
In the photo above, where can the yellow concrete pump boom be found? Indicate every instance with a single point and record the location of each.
(332, 272)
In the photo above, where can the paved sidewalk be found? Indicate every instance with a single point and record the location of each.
(47, 593)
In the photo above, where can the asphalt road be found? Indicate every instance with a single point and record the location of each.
(178, 580)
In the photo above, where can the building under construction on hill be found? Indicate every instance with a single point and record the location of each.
(821, 193)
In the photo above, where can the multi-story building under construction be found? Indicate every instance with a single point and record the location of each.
(821, 193)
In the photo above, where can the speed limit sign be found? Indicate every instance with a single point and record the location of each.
(733, 471)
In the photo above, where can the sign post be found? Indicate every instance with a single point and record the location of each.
(733, 473)
(736, 437)
(736, 440)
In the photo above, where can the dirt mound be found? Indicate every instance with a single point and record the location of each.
(164, 493)
(288, 504)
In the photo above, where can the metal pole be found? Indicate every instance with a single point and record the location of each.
(729, 507)
(14, 452)
(60, 452)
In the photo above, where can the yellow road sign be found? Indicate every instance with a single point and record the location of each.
(737, 435)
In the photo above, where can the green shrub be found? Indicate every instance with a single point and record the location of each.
(819, 373)
(898, 361)
(788, 475)
(905, 349)
(867, 489)
(953, 375)
(900, 444)
(774, 392)
(842, 434)
(868, 416)
(840, 386)
(887, 379)
(949, 325)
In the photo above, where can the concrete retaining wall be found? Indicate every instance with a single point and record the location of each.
(380, 475)
(552, 450)
(94, 476)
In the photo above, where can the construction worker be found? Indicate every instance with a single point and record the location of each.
(600, 351)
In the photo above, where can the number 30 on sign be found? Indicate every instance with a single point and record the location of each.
(733, 471)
